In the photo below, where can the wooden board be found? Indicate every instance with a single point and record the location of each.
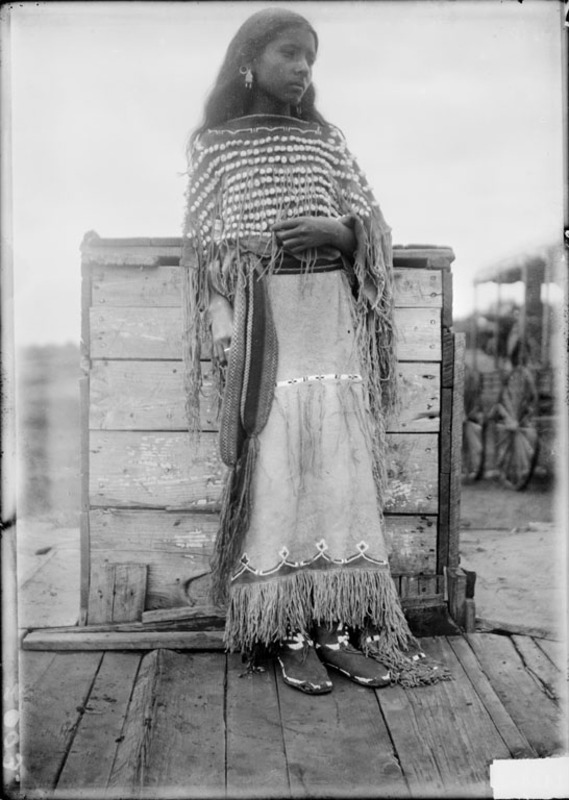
(162, 286)
(135, 469)
(128, 640)
(88, 764)
(254, 734)
(556, 651)
(463, 757)
(156, 333)
(185, 754)
(337, 745)
(518, 692)
(152, 534)
(515, 741)
(49, 710)
(552, 681)
(119, 594)
(149, 395)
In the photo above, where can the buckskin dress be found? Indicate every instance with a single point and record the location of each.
(308, 387)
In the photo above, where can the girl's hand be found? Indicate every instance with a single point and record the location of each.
(301, 233)
(221, 318)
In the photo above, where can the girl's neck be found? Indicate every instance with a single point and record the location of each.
(268, 104)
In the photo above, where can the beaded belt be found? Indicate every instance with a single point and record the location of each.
(355, 377)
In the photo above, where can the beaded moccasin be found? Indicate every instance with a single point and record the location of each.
(334, 650)
(300, 666)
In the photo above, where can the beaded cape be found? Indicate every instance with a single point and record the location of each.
(244, 176)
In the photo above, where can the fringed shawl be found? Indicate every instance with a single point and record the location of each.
(243, 177)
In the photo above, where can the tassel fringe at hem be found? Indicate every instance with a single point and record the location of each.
(260, 615)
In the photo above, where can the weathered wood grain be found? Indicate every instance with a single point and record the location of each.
(414, 742)
(127, 769)
(43, 639)
(475, 743)
(50, 709)
(156, 333)
(162, 470)
(172, 580)
(254, 733)
(185, 754)
(129, 253)
(162, 286)
(119, 594)
(149, 395)
(337, 744)
(556, 651)
(412, 473)
(514, 739)
(88, 764)
(151, 533)
(155, 469)
(456, 451)
(553, 682)
(519, 693)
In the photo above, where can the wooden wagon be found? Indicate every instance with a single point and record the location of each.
(150, 497)
(510, 418)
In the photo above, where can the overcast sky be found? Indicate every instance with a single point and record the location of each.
(453, 109)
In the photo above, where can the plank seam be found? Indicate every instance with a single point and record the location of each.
(543, 685)
(274, 671)
(127, 707)
(489, 679)
(392, 741)
(75, 727)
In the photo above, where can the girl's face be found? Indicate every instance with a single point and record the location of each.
(283, 71)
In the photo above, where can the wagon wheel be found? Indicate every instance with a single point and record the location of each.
(473, 427)
(516, 438)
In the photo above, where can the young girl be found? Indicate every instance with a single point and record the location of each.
(288, 262)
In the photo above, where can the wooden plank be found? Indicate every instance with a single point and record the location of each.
(131, 468)
(475, 742)
(120, 593)
(534, 713)
(185, 754)
(555, 651)
(337, 744)
(515, 741)
(447, 358)
(446, 278)
(456, 587)
(149, 395)
(412, 471)
(146, 395)
(127, 770)
(50, 712)
(84, 518)
(456, 451)
(152, 533)
(88, 764)
(552, 681)
(162, 286)
(181, 613)
(254, 734)
(483, 624)
(132, 640)
(173, 580)
(156, 333)
(413, 741)
(149, 470)
(129, 253)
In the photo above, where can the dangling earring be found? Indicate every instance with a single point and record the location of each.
(248, 76)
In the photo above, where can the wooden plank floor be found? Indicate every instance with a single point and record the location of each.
(172, 724)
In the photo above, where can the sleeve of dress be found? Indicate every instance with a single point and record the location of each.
(373, 270)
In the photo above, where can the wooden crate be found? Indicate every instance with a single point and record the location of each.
(150, 497)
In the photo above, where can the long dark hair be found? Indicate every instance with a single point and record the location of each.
(229, 97)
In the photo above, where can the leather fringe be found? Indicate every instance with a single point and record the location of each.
(234, 520)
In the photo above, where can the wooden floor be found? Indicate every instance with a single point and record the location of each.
(165, 723)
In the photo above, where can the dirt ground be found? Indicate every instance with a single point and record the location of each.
(508, 538)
